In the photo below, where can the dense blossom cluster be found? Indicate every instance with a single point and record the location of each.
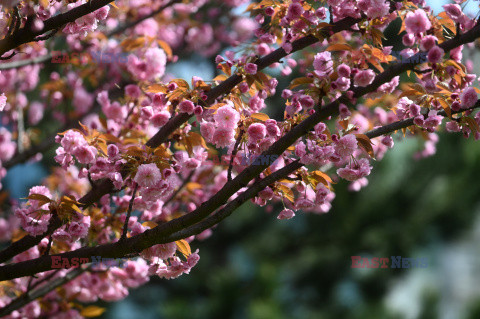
(140, 160)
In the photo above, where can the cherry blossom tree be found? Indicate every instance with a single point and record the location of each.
(147, 164)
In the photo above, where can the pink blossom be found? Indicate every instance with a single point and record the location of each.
(287, 46)
(257, 131)
(433, 120)
(79, 230)
(435, 54)
(33, 223)
(149, 66)
(321, 194)
(148, 175)
(71, 140)
(346, 145)
(115, 111)
(452, 126)
(417, 22)
(306, 101)
(133, 91)
(3, 101)
(35, 112)
(256, 103)
(223, 137)
(192, 260)
(355, 170)
(160, 119)
(388, 141)
(85, 154)
(82, 100)
(286, 214)
(102, 13)
(295, 10)
(251, 68)
(244, 28)
(162, 251)
(300, 149)
(186, 107)
(428, 42)
(323, 63)
(378, 9)
(454, 11)
(112, 151)
(226, 117)
(343, 70)
(42, 190)
(364, 77)
(266, 193)
(207, 129)
(456, 53)
(468, 98)
(304, 203)
(7, 147)
(408, 39)
(146, 112)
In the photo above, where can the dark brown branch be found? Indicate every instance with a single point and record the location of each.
(45, 58)
(26, 34)
(392, 127)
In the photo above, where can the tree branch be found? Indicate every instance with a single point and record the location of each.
(26, 34)
(392, 127)
(120, 29)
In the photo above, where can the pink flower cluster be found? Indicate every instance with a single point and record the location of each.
(221, 132)
(87, 23)
(74, 144)
(175, 266)
(7, 146)
(154, 186)
(34, 217)
(148, 64)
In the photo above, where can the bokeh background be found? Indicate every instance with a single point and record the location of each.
(255, 266)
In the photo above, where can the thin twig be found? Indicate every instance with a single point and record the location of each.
(234, 153)
(130, 207)
(21, 63)
(46, 37)
(185, 182)
(49, 246)
(126, 26)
